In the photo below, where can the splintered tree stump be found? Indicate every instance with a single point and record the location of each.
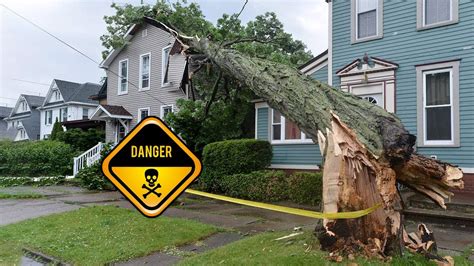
(366, 149)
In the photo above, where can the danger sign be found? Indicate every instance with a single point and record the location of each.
(151, 166)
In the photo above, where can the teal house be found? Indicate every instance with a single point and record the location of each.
(413, 58)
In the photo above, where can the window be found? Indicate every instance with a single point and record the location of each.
(433, 13)
(438, 119)
(367, 19)
(144, 33)
(165, 110)
(23, 106)
(56, 95)
(165, 66)
(48, 117)
(143, 113)
(85, 113)
(63, 114)
(123, 77)
(284, 130)
(121, 132)
(144, 72)
(22, 134)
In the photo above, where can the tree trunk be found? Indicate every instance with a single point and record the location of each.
(367, 150)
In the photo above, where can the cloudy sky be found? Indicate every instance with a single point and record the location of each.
(30, 59)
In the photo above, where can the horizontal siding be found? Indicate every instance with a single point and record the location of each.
(321, 74)
(404, 45)
(295, 154)
(157, 96)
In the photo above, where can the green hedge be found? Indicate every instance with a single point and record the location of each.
(233, 157)
(81, 140)
(259, 185)
(305, 188)
(36, 158)
(270, 185)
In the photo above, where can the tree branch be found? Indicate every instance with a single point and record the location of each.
(227, 44)
(213, 95)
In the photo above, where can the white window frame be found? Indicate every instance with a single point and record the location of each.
(61, 117)
(47, 122)
(163, 67)
(119, 83)
(282, 140)
(421, 15)
(140, 88)
(162, 110)
(354, 23)
(422, 70)
(139, 118)
(83, 109)
(438, 142)
(144, 33)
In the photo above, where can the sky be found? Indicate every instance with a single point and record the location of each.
(30, 59)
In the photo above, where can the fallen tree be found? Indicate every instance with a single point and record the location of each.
(366, 149)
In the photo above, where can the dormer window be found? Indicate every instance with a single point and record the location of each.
(367, 20)
(23, 106)
(56, 95)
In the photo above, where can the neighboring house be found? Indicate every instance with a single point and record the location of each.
(144, 78)
(25, 118)
(101, 96)
(413, 58)
(69, 103)
(5, 131)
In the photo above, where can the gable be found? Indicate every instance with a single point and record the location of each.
(366, 65)
(54, 94)
(21, 106)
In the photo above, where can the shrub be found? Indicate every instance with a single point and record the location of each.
(92, 177)
(266, 185)
(57, 130)
(305, 188)
(233, 157)
(36, 158)
(81, 140)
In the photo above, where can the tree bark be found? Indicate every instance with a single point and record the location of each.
(367, 150)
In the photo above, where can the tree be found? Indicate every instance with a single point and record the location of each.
(223, 109)
(367, 150)
(57, 129)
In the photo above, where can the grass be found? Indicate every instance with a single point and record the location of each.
(263, 249)
(98, 235)
(29, 195)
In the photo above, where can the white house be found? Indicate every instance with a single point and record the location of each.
(67, 101)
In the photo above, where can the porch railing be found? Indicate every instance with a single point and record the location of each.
(88, 158)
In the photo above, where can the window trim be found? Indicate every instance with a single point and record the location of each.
(302, 140)
(84, 108)
(379, 25)
(162, 111)
(46, 120)
(139, 118)
(163, 67)
(421, 72)
(420, 16)
(140, 72)
(61, 117)
(119, 77)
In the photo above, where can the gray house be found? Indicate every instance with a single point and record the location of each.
(5, 131)
(144, 78)
(25, 118)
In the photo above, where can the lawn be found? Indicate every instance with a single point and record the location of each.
(263, 249)
(97, 235)
(28, 195)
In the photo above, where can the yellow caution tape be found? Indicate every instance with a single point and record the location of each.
(306, 213)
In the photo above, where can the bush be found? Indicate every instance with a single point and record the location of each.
(305, 188)
(92, 177)
(81, 140)
(57, 130)
(36, 158)
(233, 157)
(266, 185)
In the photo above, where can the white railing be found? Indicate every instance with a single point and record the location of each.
(88, 158)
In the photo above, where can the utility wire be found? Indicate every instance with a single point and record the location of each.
(75, 49)
(32, 82)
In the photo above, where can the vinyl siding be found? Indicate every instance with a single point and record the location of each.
(403, 44)
(157, 96)
(321, 74)
(286, 154)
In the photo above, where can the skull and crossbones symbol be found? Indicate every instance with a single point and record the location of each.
(151, 177)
